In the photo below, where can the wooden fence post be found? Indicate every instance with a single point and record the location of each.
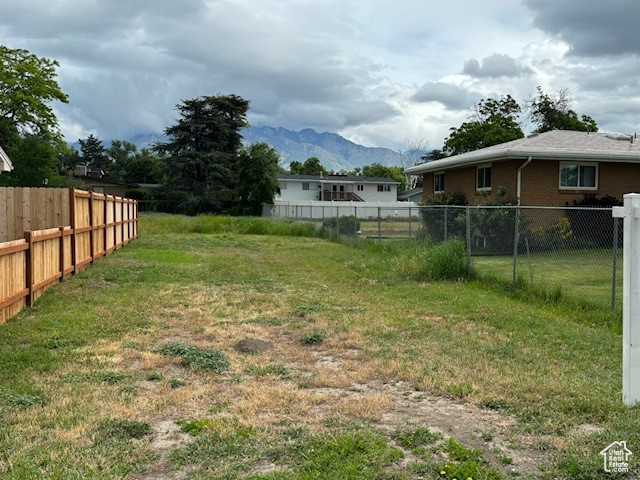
(28, 236)
(61, 253)
(72, 217)
(92, 249)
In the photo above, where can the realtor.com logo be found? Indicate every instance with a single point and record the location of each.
(616, 457)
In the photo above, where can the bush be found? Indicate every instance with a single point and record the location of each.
(348, 225)
(433, 219)
(594, 225)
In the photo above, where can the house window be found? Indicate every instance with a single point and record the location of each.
(438, 182)
(283, 185)
(305, 185)
(360, 187)
(483, 177)
(579, 176)
(384, 188)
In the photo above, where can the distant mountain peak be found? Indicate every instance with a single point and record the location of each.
(334, 151)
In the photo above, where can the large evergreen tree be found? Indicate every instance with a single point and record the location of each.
(93, 154)
(203, 145)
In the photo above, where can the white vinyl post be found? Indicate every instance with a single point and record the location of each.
(630, 212)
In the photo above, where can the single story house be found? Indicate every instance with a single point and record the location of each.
(5, 163)
(411, 195)
(342, 188)
(102, 185)
(549, 169)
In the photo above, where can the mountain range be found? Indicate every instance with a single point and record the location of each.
(334, 151)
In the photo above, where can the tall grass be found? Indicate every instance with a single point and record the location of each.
(445, 261)
(160, 223)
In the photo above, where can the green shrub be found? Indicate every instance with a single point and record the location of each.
(435, 216)
(418, 437)
(205, 358)
(347, 225)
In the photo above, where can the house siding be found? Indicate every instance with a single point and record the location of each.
(540, 182)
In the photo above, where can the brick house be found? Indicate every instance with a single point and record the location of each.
(549, 169)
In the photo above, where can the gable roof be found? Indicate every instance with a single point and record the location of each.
(6, 165)
(553, 145)
(338, 179)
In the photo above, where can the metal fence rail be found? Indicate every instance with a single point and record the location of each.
(567, 251)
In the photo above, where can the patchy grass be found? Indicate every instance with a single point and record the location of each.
(402, 360)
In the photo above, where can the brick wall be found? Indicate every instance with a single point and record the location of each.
(540, 182)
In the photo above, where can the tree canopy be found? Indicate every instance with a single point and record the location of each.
(553, 112)
(311, 166)
(257, 170)
(94, 155)
(27, 85)
(493, 121)
(379, 170)
(203, 145)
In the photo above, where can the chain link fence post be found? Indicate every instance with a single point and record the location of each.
(516, 237)
(409, 222)
(446, 226)
(468, 237)
(379, 219)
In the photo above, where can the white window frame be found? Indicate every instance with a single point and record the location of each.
(360, 187)
(384, 188)
(435, 174)
(283, 185)
(478, 168)
(578, 164)
(306, 184)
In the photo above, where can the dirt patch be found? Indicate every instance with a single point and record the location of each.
(166, 437)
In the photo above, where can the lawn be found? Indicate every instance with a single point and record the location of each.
(583, 275)
(146, 365)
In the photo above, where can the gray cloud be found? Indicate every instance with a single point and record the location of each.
(591, 28)
(451, 96)
(496, 65)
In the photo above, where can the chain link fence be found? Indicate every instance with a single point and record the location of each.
(569, 252)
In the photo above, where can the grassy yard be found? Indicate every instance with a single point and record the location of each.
(583, 275)
(146, 365)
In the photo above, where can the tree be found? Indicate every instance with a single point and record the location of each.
(202, 150)
(257, 184)
(414, 151)
(121, 153)
(311, 166)
(144, 167)
(553, 112)
(94, 154)
(380, 171)
(493, 121)
(29, 173)
(27, 85)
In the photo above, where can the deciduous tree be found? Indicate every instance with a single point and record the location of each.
(27, 86)
(493, 121)
(553, 112)
(257, 184)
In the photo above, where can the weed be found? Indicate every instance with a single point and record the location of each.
(108, 376)
(153, 376)
(205, 358)
(417, 437)
(118, 429)
(21, 400)
(314, 337)
(269, 369)
(175, 383)
(195, 427)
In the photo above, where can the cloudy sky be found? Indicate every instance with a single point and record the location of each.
(379, 72)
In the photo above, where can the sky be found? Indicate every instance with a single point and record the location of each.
(379, 72)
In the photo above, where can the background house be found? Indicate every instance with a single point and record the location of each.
(552, 168)
(5, 163)
(337, 188)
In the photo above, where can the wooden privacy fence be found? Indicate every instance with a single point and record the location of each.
(99, 225)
